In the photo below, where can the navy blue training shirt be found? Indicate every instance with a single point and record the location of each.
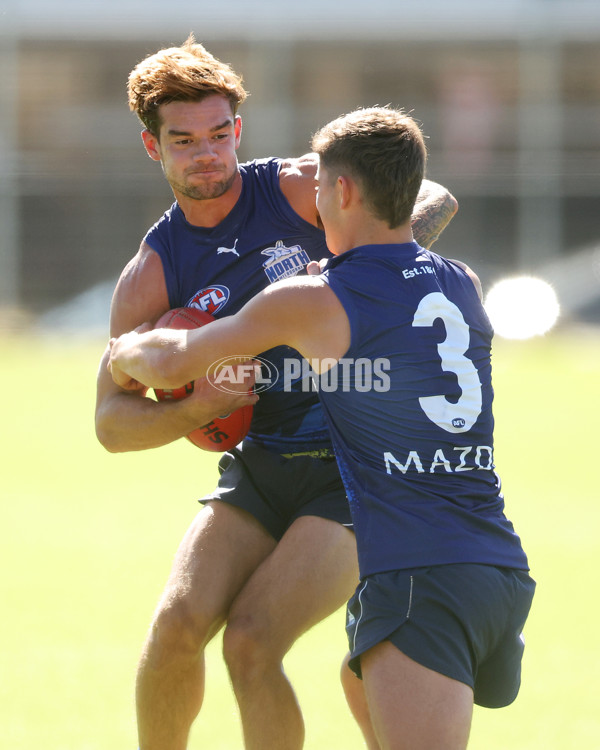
(219, 269)
(410, 411)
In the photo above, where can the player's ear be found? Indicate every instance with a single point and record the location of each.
(151, 145)
(346, 188)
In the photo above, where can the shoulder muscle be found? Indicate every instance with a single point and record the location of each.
(141, 293)
(297, 179)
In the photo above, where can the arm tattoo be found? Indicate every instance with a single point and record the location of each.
(433, 211)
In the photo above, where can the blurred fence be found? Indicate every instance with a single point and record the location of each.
(509, 98)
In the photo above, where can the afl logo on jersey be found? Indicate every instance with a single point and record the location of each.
(283, 261)
(210, 300)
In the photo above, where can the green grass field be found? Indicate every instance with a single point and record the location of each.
(86, 540)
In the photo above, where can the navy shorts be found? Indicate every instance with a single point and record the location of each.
(277, 489)
(464, 621)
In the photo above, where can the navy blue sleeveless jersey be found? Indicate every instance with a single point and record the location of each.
(219, 269)
(410, 412)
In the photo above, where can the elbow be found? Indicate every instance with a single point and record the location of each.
(107, 439)
(107, 434)
(452, 204)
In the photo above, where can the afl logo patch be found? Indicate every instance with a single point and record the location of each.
(283, 261)
(210, 300)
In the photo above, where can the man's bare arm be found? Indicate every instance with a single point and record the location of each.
(125, 419)
(433, 211)
(302, 312)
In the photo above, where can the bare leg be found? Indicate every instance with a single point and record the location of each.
(357, 702)
(412, 707)
(311, 573)
(220, 550)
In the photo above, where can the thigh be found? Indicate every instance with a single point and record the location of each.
(413, 707)
(311, 573)
(219, 552)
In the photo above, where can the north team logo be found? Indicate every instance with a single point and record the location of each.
(283, 261)
(211, 299)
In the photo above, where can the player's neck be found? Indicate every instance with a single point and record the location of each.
(211, 211)
(376, 232)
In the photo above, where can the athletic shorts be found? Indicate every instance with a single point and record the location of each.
(277, 489)
(463, 621)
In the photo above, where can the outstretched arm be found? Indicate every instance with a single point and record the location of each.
(302, 312)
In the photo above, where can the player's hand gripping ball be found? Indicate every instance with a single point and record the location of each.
(222, 433)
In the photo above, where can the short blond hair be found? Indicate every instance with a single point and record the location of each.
(175, 74)
(383, 149)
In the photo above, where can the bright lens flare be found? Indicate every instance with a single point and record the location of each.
(522, 307)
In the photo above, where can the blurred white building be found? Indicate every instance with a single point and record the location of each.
(508, 93)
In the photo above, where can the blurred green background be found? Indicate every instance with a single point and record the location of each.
(87, 538)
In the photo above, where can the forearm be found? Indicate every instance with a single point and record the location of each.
(129, 422)
(171, 358)
(433, 211)
(154, 359)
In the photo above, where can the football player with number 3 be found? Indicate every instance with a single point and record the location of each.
(271, 552)
(436, 621)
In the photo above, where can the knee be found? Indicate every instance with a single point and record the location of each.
(178, 629)
(246, 649)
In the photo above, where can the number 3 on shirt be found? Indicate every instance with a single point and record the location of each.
(461, 416)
